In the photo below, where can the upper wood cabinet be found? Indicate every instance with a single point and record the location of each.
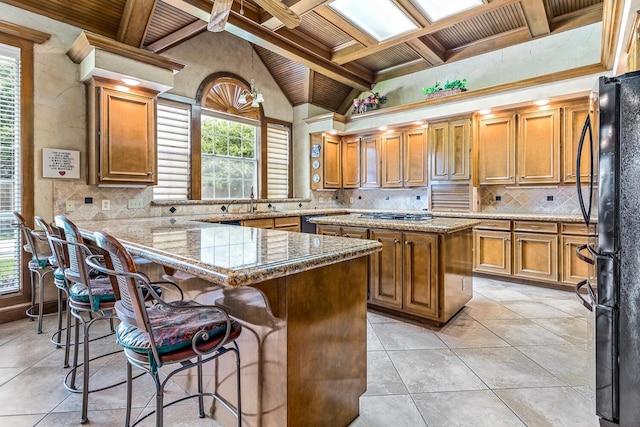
(370, 161)
(121, 135)
(497, 150)
(391, 153)
(415, 155)
(449, 150)
(539, 147)
(574, 118)
(350, 162)
(332, 162)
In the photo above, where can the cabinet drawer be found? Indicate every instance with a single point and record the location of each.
(578, 229)
(535, 226)
(495, 224)
(258, 223)
(287, 221)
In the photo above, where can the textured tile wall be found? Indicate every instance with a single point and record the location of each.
(529, 199)
(375, 198)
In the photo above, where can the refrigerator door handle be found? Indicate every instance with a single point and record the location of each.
(586, 213)
(592, 296)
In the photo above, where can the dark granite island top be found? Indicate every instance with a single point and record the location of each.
(225, 254)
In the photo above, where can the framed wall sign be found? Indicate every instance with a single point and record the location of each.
(60, 163)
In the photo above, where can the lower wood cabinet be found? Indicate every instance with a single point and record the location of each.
(535, 256)
(492, 251)
(385, 270)
(352, 232)
(285, 223)
(574, 269)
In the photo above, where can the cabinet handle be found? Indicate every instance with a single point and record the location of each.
(396, 241)
(336, 234)
(379, 240)
(506, 239)
(407, 242)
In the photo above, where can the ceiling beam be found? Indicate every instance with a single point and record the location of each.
(352, 53)
(135, 21)
(569, 21)
(178, 36)
(536, 16)
(261, 36)
(500, 41)
(300, 7)
(414, 12)
(347, 104)
(428, 49)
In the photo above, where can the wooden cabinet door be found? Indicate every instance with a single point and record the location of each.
(420, 256)
(492, 251)
(574, 119)
(385, 270)
(459, 150)
(535, 256)
(496, 150)
(126, 138)
(354, 232)
(332, 169)
(573, 269)
(391, 153)
(439, 151)
(351, 163)
(328, 230)
(370, 162)
(258, 223)
(415, 158)
(539, 147)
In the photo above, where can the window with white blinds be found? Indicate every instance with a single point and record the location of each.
(173, 151)
(278, 143)
(10, 171)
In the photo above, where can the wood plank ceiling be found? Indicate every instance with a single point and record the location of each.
(327, 60)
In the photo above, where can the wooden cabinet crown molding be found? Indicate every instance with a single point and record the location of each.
(25, 33)
(86, 42)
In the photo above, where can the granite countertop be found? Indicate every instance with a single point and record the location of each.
(228, 255)
(518, 216)
(433, 225)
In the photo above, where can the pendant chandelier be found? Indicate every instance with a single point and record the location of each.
(253, 94)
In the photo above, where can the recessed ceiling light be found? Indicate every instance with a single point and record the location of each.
(122, 88)
(382, 19)
(333, 132)
(419, 122)
(383, 128)
(437, 10)
(129, 81)
(484, 111)
(545, 107)
(541, 102)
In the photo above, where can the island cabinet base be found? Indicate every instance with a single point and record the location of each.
(421, 276)
(303, 347)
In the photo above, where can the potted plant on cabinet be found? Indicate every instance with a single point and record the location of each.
(449, 88)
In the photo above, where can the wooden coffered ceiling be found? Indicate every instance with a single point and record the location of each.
(326, 60)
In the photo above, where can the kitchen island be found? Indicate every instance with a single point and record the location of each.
(302, 302)
(424, 270)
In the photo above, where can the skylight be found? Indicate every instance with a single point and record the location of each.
(382, 19)
(438, 9)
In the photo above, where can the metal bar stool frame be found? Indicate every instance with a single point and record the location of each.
(132, 310)
(40, 266)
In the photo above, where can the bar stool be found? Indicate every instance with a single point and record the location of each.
(160, 334)
(41, 265)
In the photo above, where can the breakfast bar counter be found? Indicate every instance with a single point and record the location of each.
(301, 299)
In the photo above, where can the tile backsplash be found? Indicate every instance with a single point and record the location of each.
(375, 198)
(539, 199)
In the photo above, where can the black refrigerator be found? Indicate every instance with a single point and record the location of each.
(613, 130)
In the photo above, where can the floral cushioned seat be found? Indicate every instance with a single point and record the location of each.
(172, 329)
(101, 290)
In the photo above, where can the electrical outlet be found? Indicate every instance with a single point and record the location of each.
(106, 204)
(350, 199)
(69, 206)
(135, 204)
(320, 199)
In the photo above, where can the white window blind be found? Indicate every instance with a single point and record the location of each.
(173, 152)
(278, 138)
(10, 171)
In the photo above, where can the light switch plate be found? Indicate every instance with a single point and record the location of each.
(135, 204)
(69, 206)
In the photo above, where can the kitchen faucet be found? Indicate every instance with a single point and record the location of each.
(252, 202)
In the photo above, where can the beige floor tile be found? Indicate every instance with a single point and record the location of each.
(382, 376)
(523, 332)
(373, 343)
(34, 391)
(575, 330)
(7, 374)
(385, 411)
(567, 362)
(403, 336)
(464, 331)
(534, 310)
(379, 318)
(22, 420)
(552, 407)
(434, 370)
(486, 309)
(480, 408)
(506, 368)
(569, 305)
